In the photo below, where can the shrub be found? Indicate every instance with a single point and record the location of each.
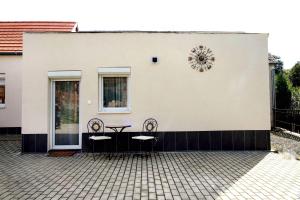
(295, 75)
(283, 93)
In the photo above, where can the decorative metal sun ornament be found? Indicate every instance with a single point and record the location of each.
(201, 58)
(150, 126)
(96, 126)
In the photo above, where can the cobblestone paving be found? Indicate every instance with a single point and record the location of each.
(190, 175)
(288, 147)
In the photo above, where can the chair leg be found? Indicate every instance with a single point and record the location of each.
(149, 151)
(109, 154)
(154, 145)
(151, 147)
(105, 148)
(93, 150)
(137, 152)
(88, 147)
(140, 148)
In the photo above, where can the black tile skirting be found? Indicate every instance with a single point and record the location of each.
(187, 141)
(167, 141)
(10, 130)
(34, 143)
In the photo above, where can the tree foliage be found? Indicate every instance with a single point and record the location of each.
(278, 64)
(295, 75)
(283, 93)
(295, 98)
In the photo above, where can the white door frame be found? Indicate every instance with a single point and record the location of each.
(52, 118)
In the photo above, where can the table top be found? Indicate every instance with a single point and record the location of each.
(118, 126)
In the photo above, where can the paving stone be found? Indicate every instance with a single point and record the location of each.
(181, 175)
(161, 198)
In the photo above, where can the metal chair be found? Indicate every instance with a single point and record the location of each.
(149, 133)
(96, 132)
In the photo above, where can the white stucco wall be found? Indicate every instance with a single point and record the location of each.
(10, 115)
(233, 95)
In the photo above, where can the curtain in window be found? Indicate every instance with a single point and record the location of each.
(115, 91)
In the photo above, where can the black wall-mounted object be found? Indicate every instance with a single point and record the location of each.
(154, 59)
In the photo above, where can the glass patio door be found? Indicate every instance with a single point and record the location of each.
(65, 115)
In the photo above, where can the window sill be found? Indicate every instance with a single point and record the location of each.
(2, 106)
(115, 111)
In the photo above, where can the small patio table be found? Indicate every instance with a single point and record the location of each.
(117, 129)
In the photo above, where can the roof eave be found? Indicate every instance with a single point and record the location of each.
(18, 53)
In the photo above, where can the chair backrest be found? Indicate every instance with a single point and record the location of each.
(150, 125)
(95, 126)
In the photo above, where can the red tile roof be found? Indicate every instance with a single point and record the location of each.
(11, 33)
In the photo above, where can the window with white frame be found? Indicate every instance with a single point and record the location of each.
(114, 87)
(2, 90)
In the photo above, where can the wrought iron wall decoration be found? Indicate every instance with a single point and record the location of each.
(150, 125)
(201, 58)
(96, 127)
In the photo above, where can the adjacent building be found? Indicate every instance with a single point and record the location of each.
(11, 66)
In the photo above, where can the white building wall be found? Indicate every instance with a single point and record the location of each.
(10, 115)
(233, 95)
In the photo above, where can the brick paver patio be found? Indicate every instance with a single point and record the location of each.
(186, 175)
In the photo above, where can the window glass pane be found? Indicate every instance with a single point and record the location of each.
(2, 91)
(114, 92)
(66, 112)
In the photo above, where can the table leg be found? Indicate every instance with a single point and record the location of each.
(115, 129)
(121, 130)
